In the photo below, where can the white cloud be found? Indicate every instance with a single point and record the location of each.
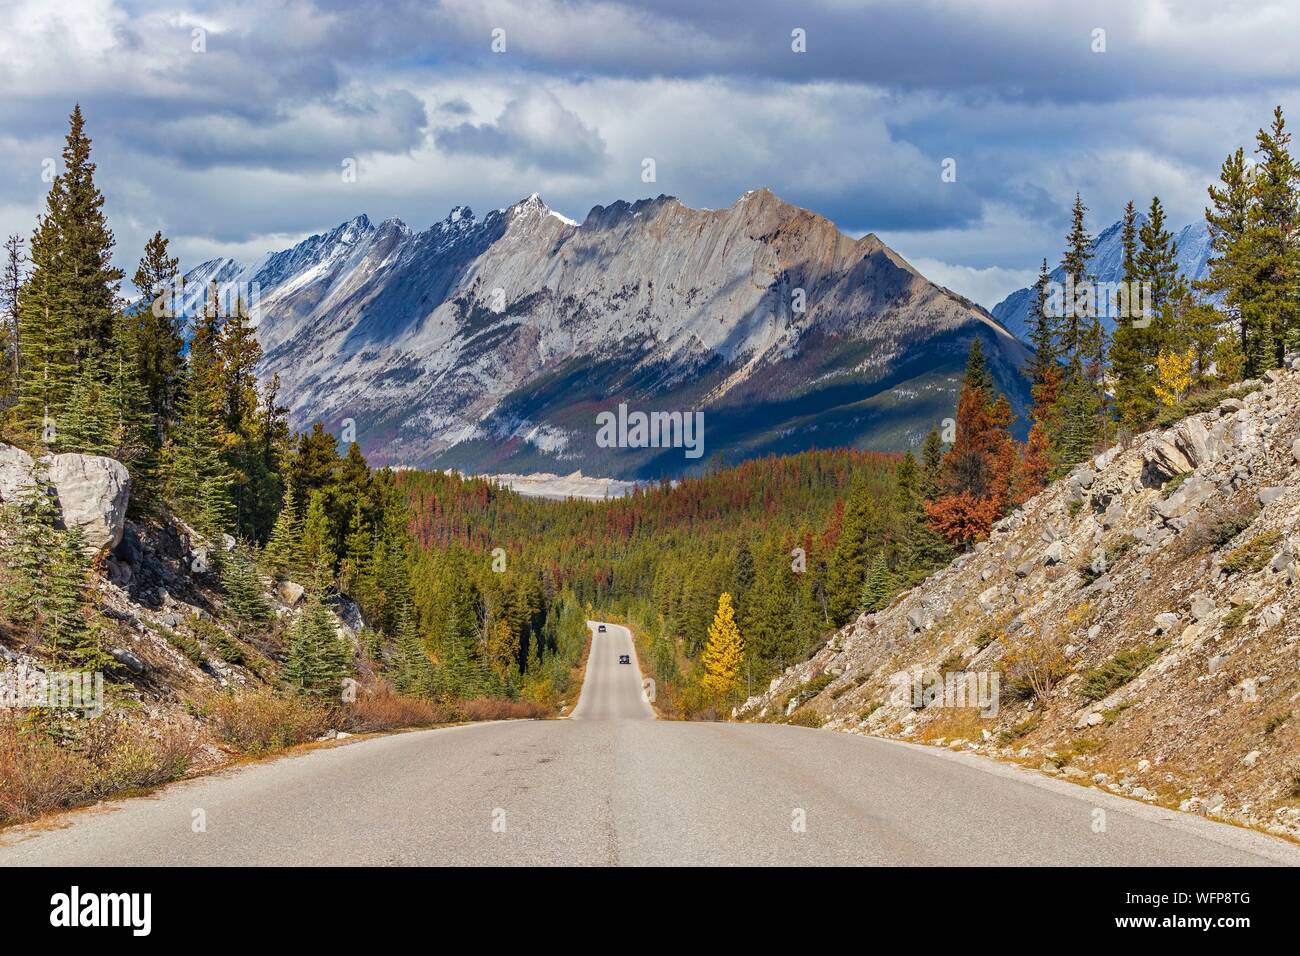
(987, 287)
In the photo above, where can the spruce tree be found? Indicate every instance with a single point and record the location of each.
(358, 546)
(283, 556)
(318, 656)
(245, 592)
(1074, 263)
(879, 587)
(920, 548)
(156, 331)
(1228, 268)
(31, 543)
(1273, 248)
(1079, 433)
(63, 594)
(931, 465)
(66, 307)
(413, 671)
(1042, 330)
(317, 541)
(860, 533)
(1133, 350)
(200, 478)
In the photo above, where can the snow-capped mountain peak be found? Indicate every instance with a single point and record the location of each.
(490, 344)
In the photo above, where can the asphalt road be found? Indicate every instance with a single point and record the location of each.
(612, 785)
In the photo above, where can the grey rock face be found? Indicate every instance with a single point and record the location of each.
(15, 471)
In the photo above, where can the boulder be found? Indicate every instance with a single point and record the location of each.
(289, 592)
(128, 660)
(1167, 621)
(1271, 616)
(92, 492)
(1202, 607)
(1165, 460)
(1193, 492)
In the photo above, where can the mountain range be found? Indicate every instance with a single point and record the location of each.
(492, 345)
(1107, 265)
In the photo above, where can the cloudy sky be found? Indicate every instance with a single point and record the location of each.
(228, 124)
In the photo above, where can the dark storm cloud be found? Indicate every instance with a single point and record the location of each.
(240, 142)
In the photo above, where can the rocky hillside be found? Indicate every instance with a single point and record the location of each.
(158, 606)
(1141, 615)
(490, 345)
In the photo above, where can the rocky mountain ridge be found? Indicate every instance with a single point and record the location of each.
(1141, 615)
(490, 345)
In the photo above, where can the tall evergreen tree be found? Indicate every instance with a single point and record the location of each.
(283, 556)
(245, 592)
(931, 465)
(200, 477)
(1134, 350)
(67, 306)
(156, 332)
(30, 546)
(1074, 263)
(860, 535)
(1273, 247)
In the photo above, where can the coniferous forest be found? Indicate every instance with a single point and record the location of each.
(469, 591)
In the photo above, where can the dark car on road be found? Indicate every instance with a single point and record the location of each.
(625, 658)
(600, 629)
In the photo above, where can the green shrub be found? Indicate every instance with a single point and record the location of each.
(1276, 721)
(1253, 555)
(1119, 670)
(1022, 729)
(184, 643)
(1236, 617)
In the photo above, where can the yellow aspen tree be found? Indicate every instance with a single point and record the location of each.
(723, 654)
(1173, 376)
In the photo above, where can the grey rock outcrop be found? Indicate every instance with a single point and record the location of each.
(92, 491)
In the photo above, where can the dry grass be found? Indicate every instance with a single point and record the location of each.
(490, 708)
(953, 723)
(86, 761)
(382, 708)
(260, 721)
